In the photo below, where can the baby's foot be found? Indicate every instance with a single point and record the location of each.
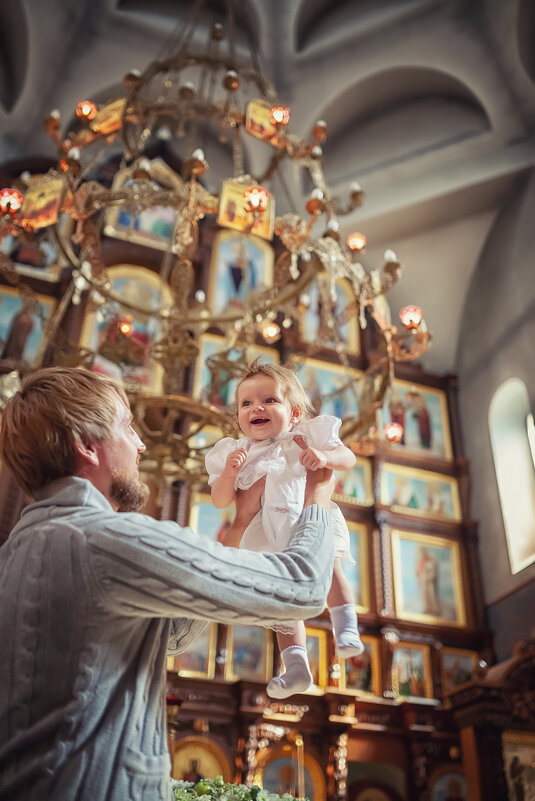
(289, 683)
(296, 677)
(348, 643)
(345, 629)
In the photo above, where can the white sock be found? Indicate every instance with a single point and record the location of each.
(345, 630)
(296, 677)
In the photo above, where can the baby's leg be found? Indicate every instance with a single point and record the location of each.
(343, 615)
(296, 677)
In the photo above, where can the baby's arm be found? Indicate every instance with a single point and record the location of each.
(223, 486)
(339, 458)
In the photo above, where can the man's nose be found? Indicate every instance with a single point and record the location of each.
(140, 445)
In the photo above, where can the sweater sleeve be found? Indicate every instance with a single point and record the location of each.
(144, 567)
(183, 632)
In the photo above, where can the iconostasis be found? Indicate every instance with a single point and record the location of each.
(415, 577)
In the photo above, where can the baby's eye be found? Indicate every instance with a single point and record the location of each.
(245, 403)
(271, 400)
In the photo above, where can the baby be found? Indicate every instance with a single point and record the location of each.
(281, 442)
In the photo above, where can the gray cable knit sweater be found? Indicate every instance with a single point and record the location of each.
(90, 599)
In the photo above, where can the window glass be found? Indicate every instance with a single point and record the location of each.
(512, 437)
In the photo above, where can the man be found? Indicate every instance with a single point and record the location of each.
(91, 598)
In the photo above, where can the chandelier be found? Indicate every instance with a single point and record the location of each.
(216, 86)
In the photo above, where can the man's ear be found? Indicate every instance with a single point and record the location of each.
(86, 452)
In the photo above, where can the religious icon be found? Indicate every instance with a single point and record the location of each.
(42, 201)
(449, 786)
(358, 574)
(354, 486)
(331, 388)
(249, 653)
(420, 492)
(518, 750)
(258, 121)
(233, 213)
(109, 118)
(423, 413)
(427, 578)
(122, 335)
(278, 770)
(457, 667)
(344, 315)
(411, 670)
(362, 672)
(21, 325)
(240, 264)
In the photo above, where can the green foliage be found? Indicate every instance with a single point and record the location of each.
(218, 790)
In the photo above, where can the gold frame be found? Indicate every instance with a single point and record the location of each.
(361, 530)
(399, 594)
(209, 673)
(165, 177)
(45, 301)
(134, 272)
(201, 749)
(473, 655)
(267, 656)
(215, 263)
(254, 350)
(321, 636)
(334, 368)
(232, 191)
(353, 343)
(259, 125)
(42, 201)
(425, 476)
(340, 497)
(427, 677)
(376, 679)
(444, 419)
(267, 756)
(109, 118)
(196, 498)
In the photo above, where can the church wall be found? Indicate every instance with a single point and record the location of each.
(510, 622)
(497, 336)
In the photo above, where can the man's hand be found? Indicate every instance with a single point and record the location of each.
(320, 481)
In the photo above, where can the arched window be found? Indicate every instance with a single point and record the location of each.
(512, 436)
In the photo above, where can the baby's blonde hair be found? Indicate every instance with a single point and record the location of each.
(291, 387)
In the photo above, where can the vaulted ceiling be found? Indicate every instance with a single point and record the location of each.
(430, 106)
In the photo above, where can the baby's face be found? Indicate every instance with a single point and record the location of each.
(263, 411)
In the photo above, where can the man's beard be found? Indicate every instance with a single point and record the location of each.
(128, 494)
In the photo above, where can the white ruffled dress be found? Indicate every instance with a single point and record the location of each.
(282, 502)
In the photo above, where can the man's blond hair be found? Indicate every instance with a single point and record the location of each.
(54, 407)
(291, 387)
